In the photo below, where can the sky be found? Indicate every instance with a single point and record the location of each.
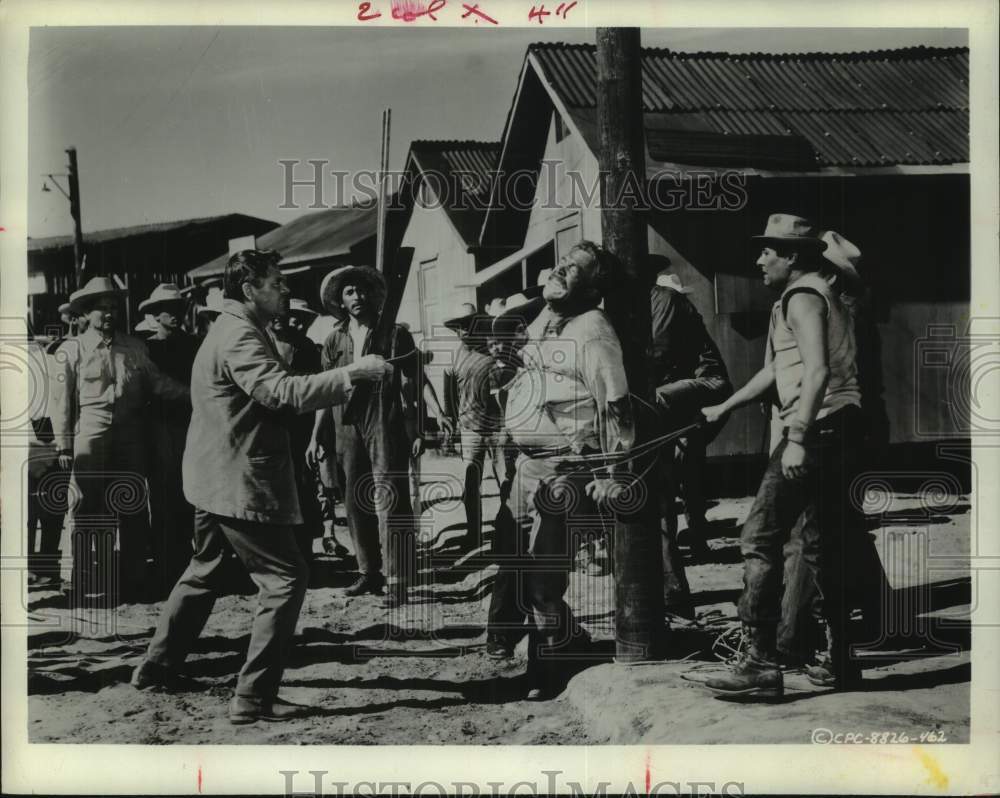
(177, 123)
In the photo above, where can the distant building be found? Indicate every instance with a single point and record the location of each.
(141, 256)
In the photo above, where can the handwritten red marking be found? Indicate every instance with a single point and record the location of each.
(199, 780)
(475, 10)
(539, 14)
(564, 8)
(648, 774)
(410, 10)
(363, 12)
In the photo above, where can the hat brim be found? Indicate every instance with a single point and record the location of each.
(801, 241)
(460, 323)
(152, 303)
(333, 285)
(527, 312)
(81, 303)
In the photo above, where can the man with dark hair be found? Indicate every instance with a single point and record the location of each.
(238, 474)
(810, 361)
(571, 397)
(375, 445)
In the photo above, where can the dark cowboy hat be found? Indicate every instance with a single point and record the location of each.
(332, 288)
(466, 317)
(783, 228)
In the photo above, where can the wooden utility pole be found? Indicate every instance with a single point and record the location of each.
(639, 605)
(74, 210)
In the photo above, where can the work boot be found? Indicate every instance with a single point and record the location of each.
(247, 710)
(835, 668)
(366, 583)
(158, 678)
(755, 674)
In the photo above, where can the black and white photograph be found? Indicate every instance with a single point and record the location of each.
(474, 376)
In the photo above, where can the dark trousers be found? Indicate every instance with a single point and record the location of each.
(377, 499)
(535, 543)
(171, 516)
(275, 564)
(109, 485)
(822, 501)
(47, 495)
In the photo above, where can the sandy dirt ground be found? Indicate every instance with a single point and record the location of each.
(420, 675)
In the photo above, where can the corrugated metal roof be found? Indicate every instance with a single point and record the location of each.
(312, 236)
(99, 236)
(876, 108)
(475, 163)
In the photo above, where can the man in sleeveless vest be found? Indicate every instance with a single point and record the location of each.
(810, 362)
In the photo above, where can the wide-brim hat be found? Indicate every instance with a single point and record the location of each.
(65, 307)
(332, 287)
(844, 255)
(521, 310)
(465, 315)
(163, 294)
(299, 307)
(784, 228)
(96, 288)
(673, 282)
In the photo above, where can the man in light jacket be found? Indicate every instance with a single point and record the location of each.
(238, 475)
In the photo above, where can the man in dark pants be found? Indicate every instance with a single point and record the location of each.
(238, 475)
(171, 516)
(571, 397)
(472, 381)
(688, 373)
(810, 361)
(375, 446)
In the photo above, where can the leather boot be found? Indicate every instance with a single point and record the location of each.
(835, 667)
(756, 673)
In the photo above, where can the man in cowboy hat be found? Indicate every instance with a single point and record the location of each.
(689, 374)
(302, 356)
(375, 446)
(471, 382)
(810, 362)
(571, 397)
(173, 350)
(238, 475)
(102, 383)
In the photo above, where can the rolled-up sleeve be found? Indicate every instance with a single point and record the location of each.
(264, 378)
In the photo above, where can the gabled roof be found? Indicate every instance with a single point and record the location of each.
(101, 236)
(465, 166)
(878, 108)
(797, 112)
(327, 233)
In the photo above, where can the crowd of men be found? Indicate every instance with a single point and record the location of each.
(255, 432)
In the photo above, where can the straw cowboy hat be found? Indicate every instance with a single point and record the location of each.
(65, 307)
(332, 288)
(163, 294)
(671, 280)
(96, 288)
(298, 307)
(213, 304)
(844, 255)
(783, 228)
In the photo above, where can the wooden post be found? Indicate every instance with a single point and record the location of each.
(638, 562)
(74, 210)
